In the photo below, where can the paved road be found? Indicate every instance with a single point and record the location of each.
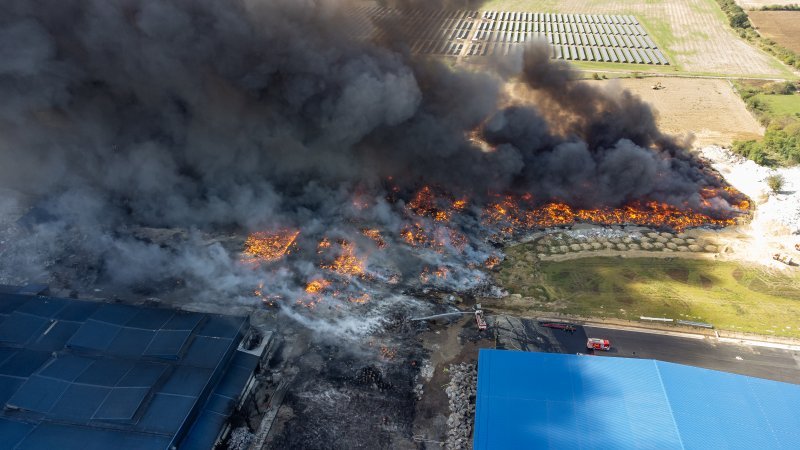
(764, 362)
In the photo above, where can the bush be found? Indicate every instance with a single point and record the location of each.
(739, 20)
(775, 182)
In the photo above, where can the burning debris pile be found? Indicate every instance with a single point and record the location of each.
(349, 163)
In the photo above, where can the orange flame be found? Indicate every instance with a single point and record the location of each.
(375, 235)
(270, 246)
(317, 286)
(347, 263)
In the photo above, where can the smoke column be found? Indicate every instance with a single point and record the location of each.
(221, 116)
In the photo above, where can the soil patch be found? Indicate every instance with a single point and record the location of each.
(782, 27)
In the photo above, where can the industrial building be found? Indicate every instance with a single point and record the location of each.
(91, 375)
(550, 400)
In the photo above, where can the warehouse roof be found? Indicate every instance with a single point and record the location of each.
(547, 400)
(86, 375)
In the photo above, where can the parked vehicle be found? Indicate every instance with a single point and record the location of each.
(598, 344)
(479, 319)
(568, 327)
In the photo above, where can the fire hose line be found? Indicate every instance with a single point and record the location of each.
(421, 438)
(441, 315)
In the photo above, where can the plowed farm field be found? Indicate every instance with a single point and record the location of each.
(694, 33)
(782, 27)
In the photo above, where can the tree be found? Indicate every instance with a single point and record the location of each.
(740, 20)
(775, 182)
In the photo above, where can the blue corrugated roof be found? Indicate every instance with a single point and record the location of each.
(87, 375)
(549, 400)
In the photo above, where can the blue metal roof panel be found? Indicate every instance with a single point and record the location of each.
(65, 367)
(105, 372)
(83, 374)
(555, 401)
(121, 403)
(167, 343)
(114, 313)
(94, 335)
(188, 381)
(23, 363)
(206, 351)
(20, 328)
(46, 307)
(47, 436)
(8, 385)
(54, 338)
(131, 342)
(38, 394)
(182, 320)
(166, 413)
(204, 432)
(10, 302)
(80, 402)
(78, 311)
(13, 432)
(222, 326)
(150, 319)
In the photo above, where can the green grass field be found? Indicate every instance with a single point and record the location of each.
(729, 295)
(782, 105)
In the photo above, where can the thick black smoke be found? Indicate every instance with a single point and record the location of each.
(129, 115)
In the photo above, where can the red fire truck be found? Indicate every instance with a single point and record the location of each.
(598, 344)
(480, 320)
